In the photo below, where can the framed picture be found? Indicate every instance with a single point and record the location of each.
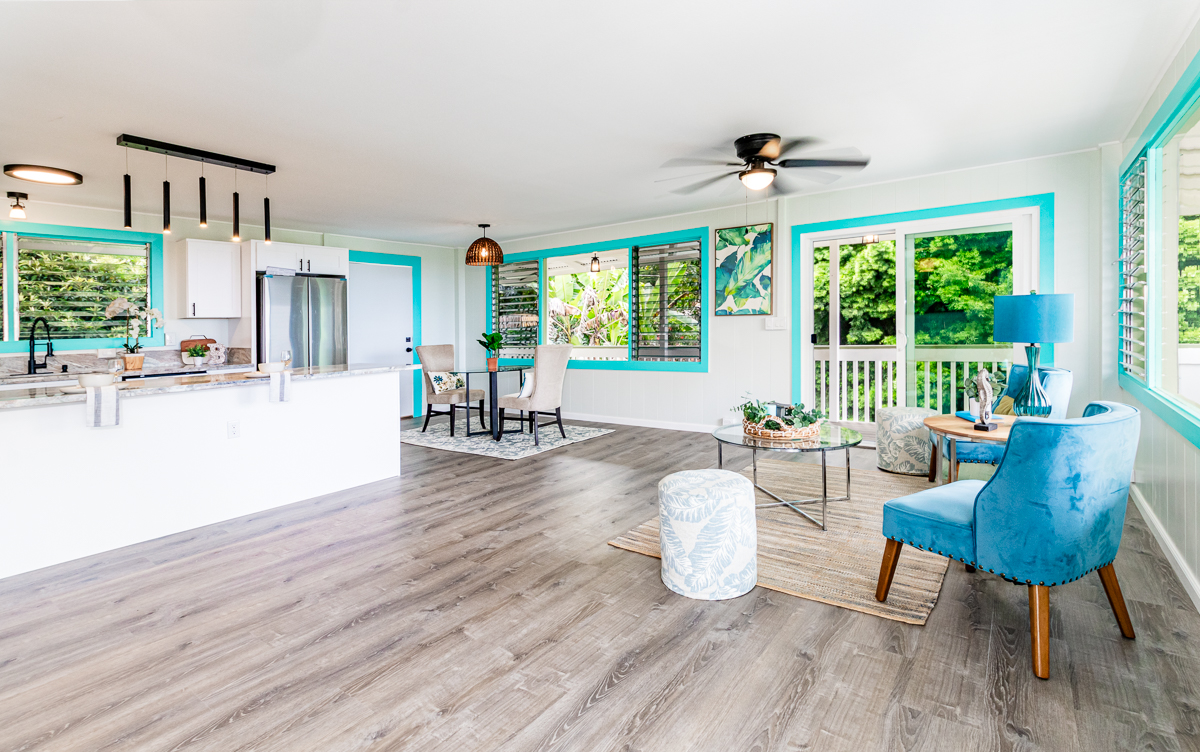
(742, 261)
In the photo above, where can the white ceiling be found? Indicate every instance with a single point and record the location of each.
(415, 121)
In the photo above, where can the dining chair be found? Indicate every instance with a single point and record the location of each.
(1056, 381)
(438, 359)
(1052, 513)
(549, 373)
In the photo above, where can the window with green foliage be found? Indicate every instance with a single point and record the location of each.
(866, 292)
(1188, 265)
(955, 279)
(667, 300)
(589, 309)
(71, 282)
(515, 307)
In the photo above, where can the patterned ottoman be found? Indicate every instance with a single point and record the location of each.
(707, 534)
(903, 440)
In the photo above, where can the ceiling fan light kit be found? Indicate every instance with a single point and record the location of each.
(484, 251)
(757, 178)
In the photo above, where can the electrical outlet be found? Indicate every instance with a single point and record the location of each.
(108, 354)
(233, 429)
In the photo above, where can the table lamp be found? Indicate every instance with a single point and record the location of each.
(1034, 319)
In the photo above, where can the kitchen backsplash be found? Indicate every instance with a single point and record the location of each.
(86, 361)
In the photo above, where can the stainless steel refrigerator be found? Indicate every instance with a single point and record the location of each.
(305, 314)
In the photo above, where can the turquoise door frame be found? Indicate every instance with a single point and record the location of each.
(394, 259)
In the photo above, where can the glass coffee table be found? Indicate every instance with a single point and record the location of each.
(830, 438)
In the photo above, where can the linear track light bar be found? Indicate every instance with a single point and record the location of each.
(199, 155)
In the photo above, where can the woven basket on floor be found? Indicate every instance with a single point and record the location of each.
(788, 433)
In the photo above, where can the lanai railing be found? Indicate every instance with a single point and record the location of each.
(868, 378)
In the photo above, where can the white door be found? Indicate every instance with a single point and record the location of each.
(381, 320)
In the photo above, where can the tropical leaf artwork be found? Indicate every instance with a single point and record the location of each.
(742, 256)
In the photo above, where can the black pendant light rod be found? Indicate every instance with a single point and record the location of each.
(203, 203)
(128, 203)
(198, 155)
(267, 212)
(166, 200)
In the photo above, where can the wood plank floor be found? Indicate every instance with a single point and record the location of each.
(474, 605)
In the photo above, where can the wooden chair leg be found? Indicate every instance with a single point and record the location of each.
(1112, 588)
(933, 456)
(558, 414)
(428, 415)
(887, 568)
(481, 423)
(1039, 629)
(534, 425)
(501, 426)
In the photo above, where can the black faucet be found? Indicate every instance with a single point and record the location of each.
(33, 364)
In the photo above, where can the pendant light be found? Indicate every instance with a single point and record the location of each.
(18, 209)
(870, 239)
(267, 210)
(595, 262)
(485, 251)
(203, 199)
(237, 220)
(128, 194)
(166, 198)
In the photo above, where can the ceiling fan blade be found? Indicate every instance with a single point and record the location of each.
(699, 162)
(863, 162)
(685, 177)
(780, 186)
(817, 176)
(685, 190)
(791, 144)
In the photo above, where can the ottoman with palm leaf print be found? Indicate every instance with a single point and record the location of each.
(902, 442)
(707, 534)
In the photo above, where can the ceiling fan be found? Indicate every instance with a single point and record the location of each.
(760, 155)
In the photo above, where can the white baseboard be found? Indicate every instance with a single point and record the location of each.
(669, 425)
(1182, 571)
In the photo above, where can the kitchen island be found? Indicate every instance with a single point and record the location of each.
(189, 451)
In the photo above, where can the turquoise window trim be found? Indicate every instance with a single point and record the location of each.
(1178, 107)
(1044, 202)
(30, 229)
(395, 259)
(700, 234)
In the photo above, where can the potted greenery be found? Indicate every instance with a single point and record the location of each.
(998, 382)
(196, 354)
(134, 318)
(794, 422)
(492, 343)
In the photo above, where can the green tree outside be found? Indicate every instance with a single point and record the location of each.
(1188, 305)
(72, 290)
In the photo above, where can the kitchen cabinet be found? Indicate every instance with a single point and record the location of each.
(281, 255)
(309, 259)
(323, 260)
(212, 279)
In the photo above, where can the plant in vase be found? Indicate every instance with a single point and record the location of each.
(134, 318)
(196, 354)
(492, 343)
(793, 422)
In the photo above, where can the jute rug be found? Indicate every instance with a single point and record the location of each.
(840, 565)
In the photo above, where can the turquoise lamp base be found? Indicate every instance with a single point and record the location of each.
(1031, 401)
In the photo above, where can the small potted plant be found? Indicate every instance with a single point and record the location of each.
(794, 422)
(134, 318)
(986, 384)
(492, 343)
(196, 354)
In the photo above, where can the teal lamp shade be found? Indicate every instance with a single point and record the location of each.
(1034, 319)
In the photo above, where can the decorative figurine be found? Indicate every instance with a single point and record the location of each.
(983, 387)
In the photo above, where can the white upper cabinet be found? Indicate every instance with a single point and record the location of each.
(213, 279)
(309, 259)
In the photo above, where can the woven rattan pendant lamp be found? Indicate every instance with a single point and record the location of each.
(485, 251)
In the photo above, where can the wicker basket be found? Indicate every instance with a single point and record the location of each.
(788, 433)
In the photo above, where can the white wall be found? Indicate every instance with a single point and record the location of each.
(1168, 465)
(745, 358)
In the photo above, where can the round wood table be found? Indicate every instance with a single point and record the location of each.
(952, 428)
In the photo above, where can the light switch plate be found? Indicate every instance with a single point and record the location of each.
(776, 323)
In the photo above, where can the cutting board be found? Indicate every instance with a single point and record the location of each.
(197, 340)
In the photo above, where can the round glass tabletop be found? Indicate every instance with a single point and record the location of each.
(501, 369)
(830, 437)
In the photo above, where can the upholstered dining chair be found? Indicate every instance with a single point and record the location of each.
(1056, 381)
(1052, 513)
(438, 359)
(549, 373)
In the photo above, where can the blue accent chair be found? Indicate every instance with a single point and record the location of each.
(1052, 513)
(1056, 381)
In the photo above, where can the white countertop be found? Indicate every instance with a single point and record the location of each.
(53, 395)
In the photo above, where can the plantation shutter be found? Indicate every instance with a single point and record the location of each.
(71, 282)
(515, 311)
(1131, 313)
(667, 303)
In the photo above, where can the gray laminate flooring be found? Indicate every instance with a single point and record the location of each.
(473, 605)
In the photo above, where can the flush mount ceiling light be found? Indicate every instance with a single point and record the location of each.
(595, 262)
(485, 251)
(18, 209)
(39, 174)
(757, 177)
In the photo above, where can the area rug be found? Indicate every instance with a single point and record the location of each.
(513, 446)
(840, 565)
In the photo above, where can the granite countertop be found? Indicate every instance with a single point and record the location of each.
(23, 378)
(53, 395)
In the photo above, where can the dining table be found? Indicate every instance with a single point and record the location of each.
(493, 395)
